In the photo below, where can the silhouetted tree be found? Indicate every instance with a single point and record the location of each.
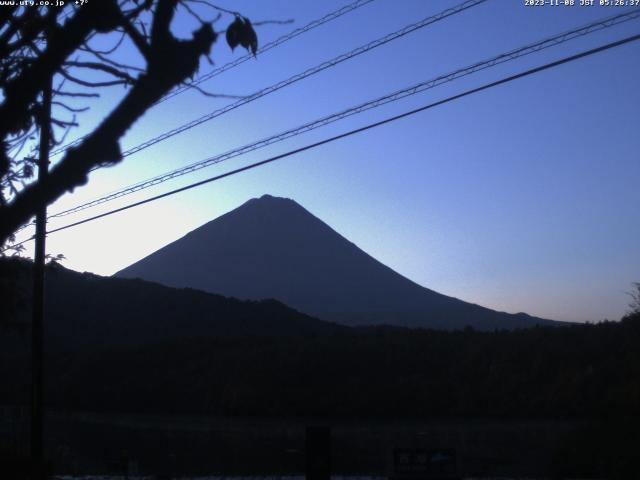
(43, 44)
(634, 305)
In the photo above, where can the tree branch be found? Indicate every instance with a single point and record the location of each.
(171, 62)
(102, 67)
(86, 83)
(21, 91)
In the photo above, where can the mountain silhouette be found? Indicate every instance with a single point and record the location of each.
(272, 247)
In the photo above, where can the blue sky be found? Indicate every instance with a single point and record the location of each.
(521, 198)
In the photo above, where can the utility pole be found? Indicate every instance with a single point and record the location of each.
(37, 344)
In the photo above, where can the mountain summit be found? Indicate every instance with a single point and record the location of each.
(272, 247)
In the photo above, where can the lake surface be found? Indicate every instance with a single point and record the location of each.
(258, 449)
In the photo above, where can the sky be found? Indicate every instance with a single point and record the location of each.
(519, 198)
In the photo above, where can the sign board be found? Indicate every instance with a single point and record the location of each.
(423, 463)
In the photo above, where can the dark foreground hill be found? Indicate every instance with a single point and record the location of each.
(273, 248)
(589, 374)
(129, 345)
(88, 312)
(579, 372)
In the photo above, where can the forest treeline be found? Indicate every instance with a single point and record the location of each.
(590, 371)
(211, 355)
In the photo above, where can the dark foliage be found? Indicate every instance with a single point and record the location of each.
(241, 32)
(55, 47)
(89, 312)
(13, 285)
(572, 372)
(209, 354)
(118, 345)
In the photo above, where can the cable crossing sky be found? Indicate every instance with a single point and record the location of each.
(300, 76)
(290, 36)
(307, 73)
(466, 93)
(240, 60)
(392, 97)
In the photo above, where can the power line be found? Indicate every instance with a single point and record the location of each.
(234, 63)
(400, 94)
(466, 93)
(305, 74)
(299, 31)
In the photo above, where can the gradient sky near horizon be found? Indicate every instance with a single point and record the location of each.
(520, 198)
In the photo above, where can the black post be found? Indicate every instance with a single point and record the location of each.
(37, 347)
(318, 453)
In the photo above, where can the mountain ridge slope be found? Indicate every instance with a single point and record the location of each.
(90, 312)
(272, 247)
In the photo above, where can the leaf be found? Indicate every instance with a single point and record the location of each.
(249, 40)
(241, 32)
(233, 33)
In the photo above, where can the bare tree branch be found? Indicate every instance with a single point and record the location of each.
(104, 68)
(22, 91)
(138, 39)
(170, 62)
(68, 108)
(63, 93)
(47, 49)
(91, 84)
